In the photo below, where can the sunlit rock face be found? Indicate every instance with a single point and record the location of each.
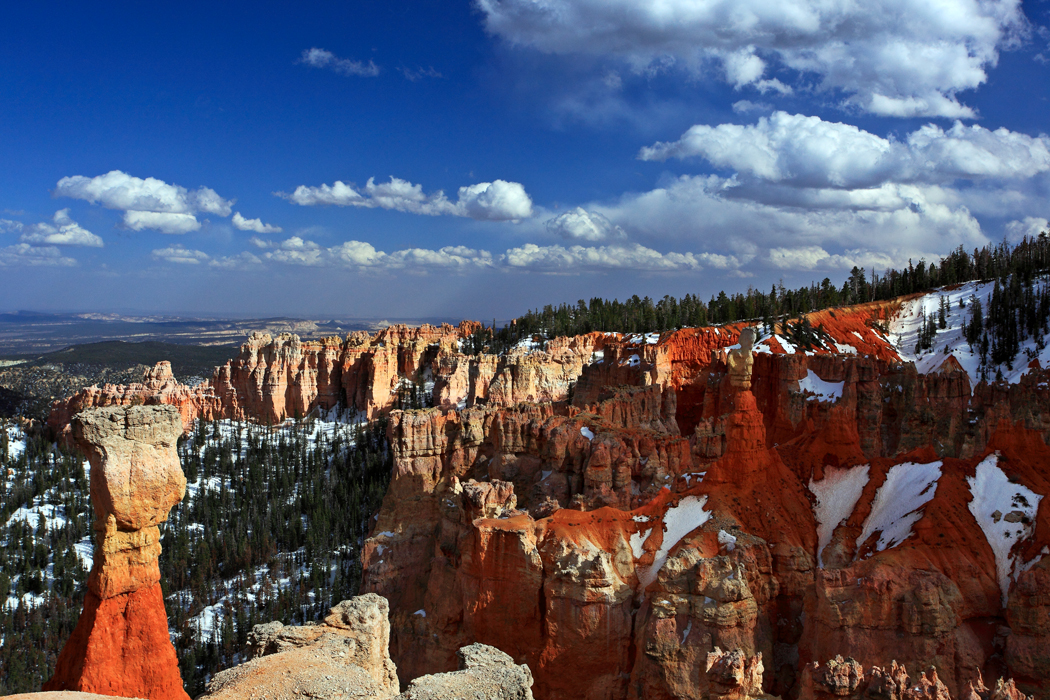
(662, 513)
(121, 645)
(612, 510)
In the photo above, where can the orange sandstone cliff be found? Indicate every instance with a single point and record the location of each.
(844, 505)
(613, 513)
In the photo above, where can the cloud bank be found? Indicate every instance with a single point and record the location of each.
(809, 152)
(486, 201)
(901, 58)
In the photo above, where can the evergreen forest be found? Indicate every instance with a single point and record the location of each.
(270, 529)
(1013, 266)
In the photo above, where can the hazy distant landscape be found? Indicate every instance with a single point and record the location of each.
(27, 335)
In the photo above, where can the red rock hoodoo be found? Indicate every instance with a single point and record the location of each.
(121, 645)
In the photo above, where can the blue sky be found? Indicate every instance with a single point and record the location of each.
(477, 158)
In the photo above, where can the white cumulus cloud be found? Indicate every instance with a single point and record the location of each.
(118, 190)
(147, 203)
(256, 225)
(165, 222)
(903, 58)
(321, 58)
(1030, 226)
(810, 152)
(493, 201)
(581, 225)
(62, 232)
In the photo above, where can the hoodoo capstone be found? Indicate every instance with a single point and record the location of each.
(121, 645)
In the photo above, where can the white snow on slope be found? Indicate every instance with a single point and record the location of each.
(995, 498)
(822, 390)
(899, 502)
(837, 495)
(679, 521)
(637, 540)
(587, 432)
(525, 345)
(16, 442)
(904, 330)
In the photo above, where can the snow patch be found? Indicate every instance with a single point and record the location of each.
(16, 442)
(679, 521)
(822, 390)
(788, 346)
(587, 433)
(995, 500)
(836, 497)
(637, 540)
(421, 612)
(699, 476)
(899, 502)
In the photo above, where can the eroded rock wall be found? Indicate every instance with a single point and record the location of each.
(541, 528)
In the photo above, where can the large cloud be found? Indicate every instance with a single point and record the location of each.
(890, 57)
(494, 201)
(63, 232)
(147, 203)
(810, 152)
(900, 222)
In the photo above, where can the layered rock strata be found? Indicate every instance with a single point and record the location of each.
(120, 645)
(274, 378)
(612, 551)
(611, 510)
